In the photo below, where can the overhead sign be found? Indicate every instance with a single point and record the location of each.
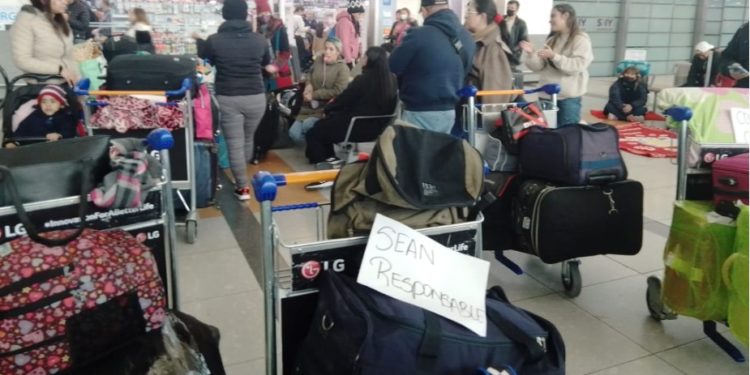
(409, 266)
(608, 24)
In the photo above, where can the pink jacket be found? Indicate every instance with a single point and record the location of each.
(348, 35)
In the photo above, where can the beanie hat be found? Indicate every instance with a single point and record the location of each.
(428, 3)
(234, 10)
(262, 6)
(355, 6)
(704, 47)
(55, 92)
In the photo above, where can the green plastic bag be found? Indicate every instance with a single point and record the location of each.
(699, 243)
(94, 71)
(735, 273)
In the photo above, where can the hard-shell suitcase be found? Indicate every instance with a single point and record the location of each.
(561, 223)
(150, 72)
(730, 180)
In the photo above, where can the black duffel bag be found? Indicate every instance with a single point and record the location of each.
(150, 72)
(44, 171)
(357, 330)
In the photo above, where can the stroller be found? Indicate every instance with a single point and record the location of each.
(17, 97)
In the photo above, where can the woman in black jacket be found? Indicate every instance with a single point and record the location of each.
(371, 94)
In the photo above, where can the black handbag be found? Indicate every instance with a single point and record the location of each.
(514, 123)
(52, 170)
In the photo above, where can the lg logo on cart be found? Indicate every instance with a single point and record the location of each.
(9, 232)
(311, 269)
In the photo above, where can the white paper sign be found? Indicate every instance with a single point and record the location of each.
(411, 267)
(741, 125)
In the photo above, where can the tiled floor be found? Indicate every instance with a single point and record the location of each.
(607, 329)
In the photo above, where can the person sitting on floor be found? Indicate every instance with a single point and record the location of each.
(373, 93)
(627, 97)
(51, 119)
(697, 74)
(328, 78)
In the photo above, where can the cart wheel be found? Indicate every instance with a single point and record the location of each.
(571, 278)
(191, 231)
(653, 300)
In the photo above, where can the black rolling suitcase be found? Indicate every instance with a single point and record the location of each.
(150, 72)
(562, 223)
(497, 226)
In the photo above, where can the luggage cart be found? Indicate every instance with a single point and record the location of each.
(656, 306)
(148, 222)
(291, 294)
(187, 142)
(570, 274)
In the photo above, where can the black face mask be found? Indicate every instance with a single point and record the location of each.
(628, 82)
(510, 13)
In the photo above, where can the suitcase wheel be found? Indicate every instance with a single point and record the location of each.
(191, 231)
(571, 278)
(653, 300)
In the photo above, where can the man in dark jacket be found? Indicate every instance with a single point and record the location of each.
(79, 17)
(431, 64)
(627, 97)
(734, 58)
(240, 56)
(513, 30)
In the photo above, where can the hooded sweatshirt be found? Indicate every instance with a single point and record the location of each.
(36, 47)
(346, 32)
(430, 70)
(239, 56)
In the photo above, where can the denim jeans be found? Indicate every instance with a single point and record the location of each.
(298, 130)
(437, 121)
(569, 111)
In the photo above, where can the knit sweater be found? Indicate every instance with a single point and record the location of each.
(569, 67)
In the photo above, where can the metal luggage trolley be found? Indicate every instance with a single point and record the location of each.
(570, 274)
(148, 222)
(185, 178)
(291, 294)
(656, 306)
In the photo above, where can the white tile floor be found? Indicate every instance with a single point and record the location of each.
(607, 329)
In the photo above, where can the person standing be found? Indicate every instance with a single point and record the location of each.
(564, 59)
(348, 27)
(42, 41)
(138, 22)
(79, 18)
(491, 69)
(403, 23)
(277, 37)
(432, 64)
(240, 56)
(319, 40)
(513, 30)
(734, 58)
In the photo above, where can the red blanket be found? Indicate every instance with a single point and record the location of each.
(647, 141)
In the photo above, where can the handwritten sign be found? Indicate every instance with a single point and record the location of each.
(406, 265)
(741, 125)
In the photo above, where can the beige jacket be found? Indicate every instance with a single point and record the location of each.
(326, 82)
(569, 67)
(491, 69)
(36, 46)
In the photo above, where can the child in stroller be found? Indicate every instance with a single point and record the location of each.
(47, 118)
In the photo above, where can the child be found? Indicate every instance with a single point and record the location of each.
(50, 119)
(627, 97)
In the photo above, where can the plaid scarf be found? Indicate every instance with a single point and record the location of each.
(134, 171)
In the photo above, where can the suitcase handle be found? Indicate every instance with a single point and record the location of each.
(728, 181)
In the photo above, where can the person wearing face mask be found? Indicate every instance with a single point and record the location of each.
(348, 27)
(42, 41)
(328, 78)
(491, 69)
(565, 60)
(513, 30)
(627, 97)
(401, 26)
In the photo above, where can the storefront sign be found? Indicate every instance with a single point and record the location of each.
(409, 266)
(608, 24)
